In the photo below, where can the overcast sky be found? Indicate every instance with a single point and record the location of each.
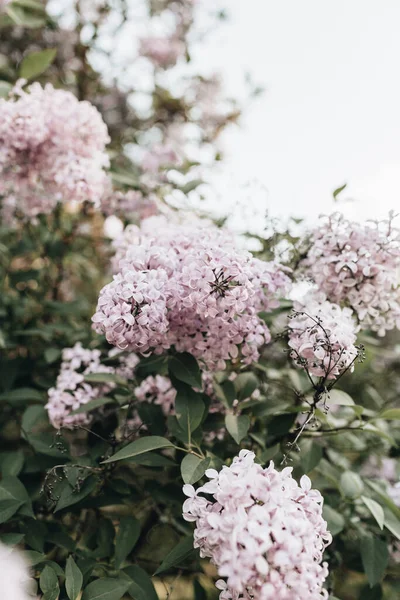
(331, 110)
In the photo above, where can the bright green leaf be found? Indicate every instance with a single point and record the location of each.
(36, 63)
(338, 191)
(5, 89)
(391, 414)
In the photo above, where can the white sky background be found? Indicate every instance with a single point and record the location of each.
(331, 110)
(330, 113)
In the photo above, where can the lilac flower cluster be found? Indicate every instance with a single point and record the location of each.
(263, 531)
(157, 389)
(192, 288)
(358, 264)
(322, 337)
(71, 390)
(163, 52)
(52, 148)
(132, 205)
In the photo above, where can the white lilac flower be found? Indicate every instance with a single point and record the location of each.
(264, 532)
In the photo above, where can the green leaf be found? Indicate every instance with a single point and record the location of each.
(334, 519)
(177, 555)
(227, 392)
(245, 384)
(69, 496)
(311, 458)
(338, 191)
(44, 444)
(189, 410)
(199, 591)
(73, 579)
(32, 4)
(32, 415)
(391, 414)
(105, 378)
(351, 484)
(151, 365)
(21, 395)
(11, 488)
(11, 539)
(375, 557)
(36, 63)
(106, 588)
(5, 89)
(142, 587)
(51, 355)
(127, 536)
(184, 367)
(374, 593)
(151, 459)
(12, 463)
(339, 397)
(8, 508)
(193, 468)
(22, 17)
(92, 405)
(49, 584)
(237, 426)
(392, 523)
(141, 446)
(191, 185)
(375, 509)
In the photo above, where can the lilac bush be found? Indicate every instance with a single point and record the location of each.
(148, 355)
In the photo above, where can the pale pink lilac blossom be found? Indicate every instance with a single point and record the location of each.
(357, 264)
(191, 288)
(71, 391)
(52, 149)
(129, 206)
(163, 52)
(157, 389)
(263, 531)
(322, 337)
